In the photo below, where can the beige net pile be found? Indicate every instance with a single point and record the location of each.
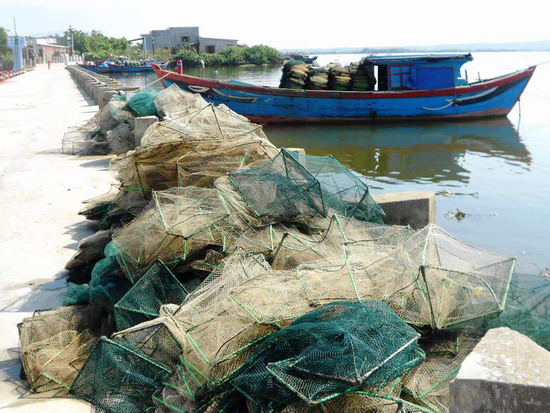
(456, 281)
(54, 346)
(193, 149)
(110, 130)
(282, 235)
(428, 384)
(177, 226)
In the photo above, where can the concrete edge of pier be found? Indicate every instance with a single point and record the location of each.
(98, 87)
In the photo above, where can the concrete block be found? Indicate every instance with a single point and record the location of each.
(141, 125)
(98, 94)
(505, 373)
(107, 95)
(414, 208)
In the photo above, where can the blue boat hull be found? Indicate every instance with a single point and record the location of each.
(91, 68)
(134, 69)
(490, 98)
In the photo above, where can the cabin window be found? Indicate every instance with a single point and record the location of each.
(185, 39)
(432, 77)
(398, 76)
(210, 49)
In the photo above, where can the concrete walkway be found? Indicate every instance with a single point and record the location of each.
(41, 193)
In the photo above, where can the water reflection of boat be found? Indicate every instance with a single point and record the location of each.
(408, 152)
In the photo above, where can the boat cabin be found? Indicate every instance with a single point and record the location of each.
(420, 72)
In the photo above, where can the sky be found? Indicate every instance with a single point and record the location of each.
(295, 24)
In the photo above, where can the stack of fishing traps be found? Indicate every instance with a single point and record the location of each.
(234, 276)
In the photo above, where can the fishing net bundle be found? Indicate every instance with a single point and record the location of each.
(172, 101)
(453, 281)
(117, 377)
(142, 302)
(55, 344)
(300, 185)
(333, 349)
(178, 224)
(167, 147)
(343, 190)
(527, 311)
(113, 124)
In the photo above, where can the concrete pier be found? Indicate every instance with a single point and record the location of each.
(506, 373)
(42, 192)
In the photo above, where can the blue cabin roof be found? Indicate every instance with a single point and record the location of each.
(454, 58)
(419, 71)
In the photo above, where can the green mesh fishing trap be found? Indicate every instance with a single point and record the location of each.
(301, 185)
(158, 286)
(118, 378)
(336, 348)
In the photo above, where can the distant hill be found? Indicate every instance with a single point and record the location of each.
(543, 45)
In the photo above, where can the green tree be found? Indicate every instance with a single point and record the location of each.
(80, 40)
(230, 56)
(6, 54)
(4, 42)
(261, 54)
(95, 43)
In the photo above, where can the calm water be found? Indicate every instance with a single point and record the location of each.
(498, 171)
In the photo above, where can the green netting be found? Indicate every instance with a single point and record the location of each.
(159, 339)
(158, 286)
(527, 310)
(334, 349)
(348, 195)
(142, 103)
(54, 345)
(293, 185)
(118, 378)
(107, 284)
(281, 187)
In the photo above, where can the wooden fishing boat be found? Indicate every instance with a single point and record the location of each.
(409, 87)
(91, 66)
(95, 67)
(147, 67)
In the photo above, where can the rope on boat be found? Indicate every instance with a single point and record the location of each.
(153, 82)
(451, 102)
